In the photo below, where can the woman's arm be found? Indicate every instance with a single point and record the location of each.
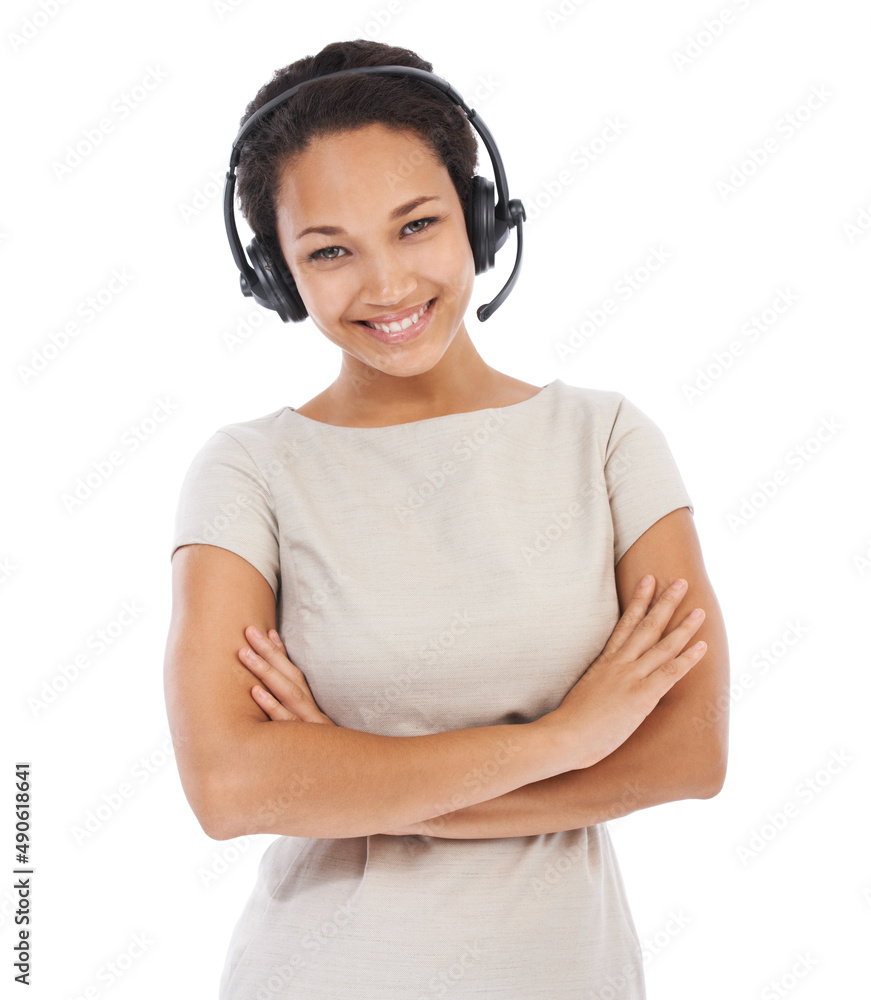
(300, 779)
(647, 770)
(678, 752)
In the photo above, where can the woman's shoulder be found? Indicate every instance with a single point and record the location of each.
(591, 403)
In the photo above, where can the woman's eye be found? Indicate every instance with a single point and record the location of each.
(417, 221)
(317, 254)
(420, 225)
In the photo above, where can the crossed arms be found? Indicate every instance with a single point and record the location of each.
(243, 776)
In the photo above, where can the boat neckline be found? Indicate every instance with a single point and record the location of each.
(427, 420)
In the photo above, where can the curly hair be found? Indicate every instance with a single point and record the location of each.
(341, 105)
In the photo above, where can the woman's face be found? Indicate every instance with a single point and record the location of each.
(376, 257)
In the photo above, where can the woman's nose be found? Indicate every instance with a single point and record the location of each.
(388, 280)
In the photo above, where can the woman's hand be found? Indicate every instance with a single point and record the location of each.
(282, 693)
(288, 698)
(624, 684)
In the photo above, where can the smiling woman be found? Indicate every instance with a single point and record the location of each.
(391, 265)
(437, 625)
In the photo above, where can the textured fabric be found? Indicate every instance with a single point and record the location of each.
(437, 575)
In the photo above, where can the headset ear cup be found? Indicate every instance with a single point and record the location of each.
(480, 223)
(276, 288)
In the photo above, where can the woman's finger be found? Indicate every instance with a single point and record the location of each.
(271, 706)
(276, 683)
(664, 654)
(635, 611)
(274, 654)
(649, 630)
(269, 664)
(282, 679)
(274, 637)
(669, 673)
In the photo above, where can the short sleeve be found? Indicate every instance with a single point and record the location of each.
(226, 501)
(641, 476)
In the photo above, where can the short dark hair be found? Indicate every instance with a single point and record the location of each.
(342, 105)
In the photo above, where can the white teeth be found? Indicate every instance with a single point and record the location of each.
(397, 327)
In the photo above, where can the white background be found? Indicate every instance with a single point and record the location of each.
(729, 903)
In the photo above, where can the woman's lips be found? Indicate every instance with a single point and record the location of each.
(401, 336)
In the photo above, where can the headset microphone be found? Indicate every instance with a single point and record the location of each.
(487, 222)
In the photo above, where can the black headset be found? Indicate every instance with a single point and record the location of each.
(487, 224)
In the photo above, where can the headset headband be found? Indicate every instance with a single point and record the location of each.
(507, 212)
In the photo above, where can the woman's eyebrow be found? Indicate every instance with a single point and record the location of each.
(397, 213)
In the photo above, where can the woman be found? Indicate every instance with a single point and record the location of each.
(464, 602)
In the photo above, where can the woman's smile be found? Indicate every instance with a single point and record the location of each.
(398, 328)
